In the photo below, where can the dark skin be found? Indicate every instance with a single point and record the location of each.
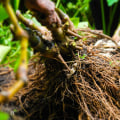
(45, 8)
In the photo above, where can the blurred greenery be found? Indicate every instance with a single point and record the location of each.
(6, 40)
(3, 13)
(111, 2)
(10, 47)
(76, 8)
(3, 52)
(80, 10)
(4, 116)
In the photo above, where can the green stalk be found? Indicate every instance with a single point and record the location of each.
(103, 16)
(58, 3)
(111, 19)
(78, 11)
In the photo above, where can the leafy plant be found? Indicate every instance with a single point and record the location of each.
(9, 49)
(5, 35)
(76, 8)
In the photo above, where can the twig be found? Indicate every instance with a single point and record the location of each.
(43, 31)
(96, 33)
(73, 33)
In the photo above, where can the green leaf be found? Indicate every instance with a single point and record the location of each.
(17, 64)
(3, 52)
(34, 20)
(111, 2)
(83, 56)
(3, 13)
(5, 35)
(75, 21)
(15, 4)
(62, 8)
(70, 5)
(4, 116)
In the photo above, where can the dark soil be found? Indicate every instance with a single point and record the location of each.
(90, 93)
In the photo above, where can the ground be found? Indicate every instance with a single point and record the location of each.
(53, 93)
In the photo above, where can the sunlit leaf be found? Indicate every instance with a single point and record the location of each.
(16, 4)
(70, 5)
(4, 116)
(3, 52)
(111, 2)
(75, 21)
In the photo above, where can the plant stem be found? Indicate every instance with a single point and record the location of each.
(103, 16)
(111, 19)
(58, 3)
